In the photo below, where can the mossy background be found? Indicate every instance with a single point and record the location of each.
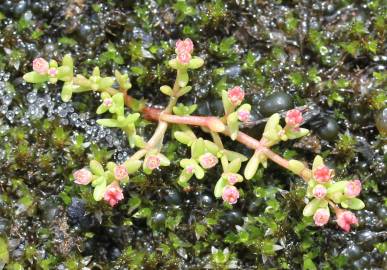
(329, 55)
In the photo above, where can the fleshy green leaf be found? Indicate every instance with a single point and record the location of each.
(164, 161)
(353, 203)
(183, 179)
(252, 166)
(197, 148)
(220, 185)
(105, 83)
(199, 172)
(34, 77)
(166, 90)
(184, 90)
(311, 208)
(173, 63)
(184, 137)
(233, 125)
(108, 122)
(231, 155)
(317, 162)
(96, 167)
(67, 92)
(234, 166)
(101, 109)
(228, 107)
(295, 134)
(183, 78)
(132, 166)
(211, 147)
(272, 129)
(337, 187)
(99, 190)
(196, 62)
(296, 166)
(68, 61)
(139, 141)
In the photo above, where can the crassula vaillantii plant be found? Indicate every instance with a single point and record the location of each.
(324, 192)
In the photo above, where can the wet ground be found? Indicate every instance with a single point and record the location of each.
(327, 55)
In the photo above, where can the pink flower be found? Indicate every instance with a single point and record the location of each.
(345, 219)
(82, 176)
(152, 162)
(243, 115)
(108, 102)
(113, 194)
(236, 95)
(294, 118)
(184, 46)
(232, 178)
(40, 66)
(208, 160)
(352, 189)
(322, 174)
(319, 191)
(321, 217)
(52, 72)
(120, 172)
(190, 169)
(184, 58)
(230, 194)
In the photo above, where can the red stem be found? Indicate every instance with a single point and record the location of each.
(203, 121)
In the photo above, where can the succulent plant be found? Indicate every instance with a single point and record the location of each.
(206, 154)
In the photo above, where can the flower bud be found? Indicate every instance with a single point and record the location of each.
(184, 46)
(243, 115)
(294, 118)
(52, 72)
(113, 194)
(40, 66)
(232, 178)
(108, 102)
(183, 58)
(319, 191)
(190, 169)
(323, 174)
(230, 194)
(352, 189)
(345, 219)
(152, 162)
(208, 160)
(82, 176)
(236, 95)
(321, 217)
(120, 172)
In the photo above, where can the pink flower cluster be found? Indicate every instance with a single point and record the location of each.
(352, 189)
(345, 219)
(294, 118)
(208, 160)
(120, 172)
(82, 177)
(321, 217)
(113, 194)
(152, 162)
(230, 194)
(41, 66)
(243, 115)
(236, 95)
(184, 49)
(319, 191)
(232, 178)
(323, 174)
(108, 102)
